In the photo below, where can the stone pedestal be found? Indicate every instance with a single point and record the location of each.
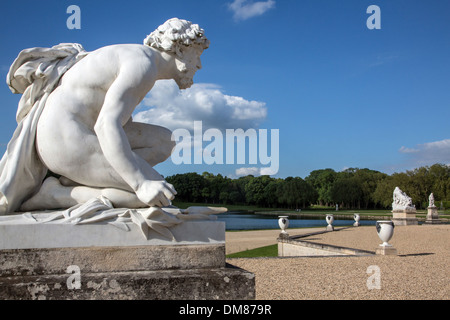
(433, 216)
(404, 218)
(386, 251)
(283, 235)
(101, 261)
(330, 228)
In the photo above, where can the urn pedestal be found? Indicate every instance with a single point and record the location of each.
(386, 251)
(385, 230)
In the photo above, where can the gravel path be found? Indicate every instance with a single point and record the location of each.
(420, 271)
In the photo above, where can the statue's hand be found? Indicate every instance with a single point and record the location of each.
(156, 193)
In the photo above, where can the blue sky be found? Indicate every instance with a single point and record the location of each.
(340, 95)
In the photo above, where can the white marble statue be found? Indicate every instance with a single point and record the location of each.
(74, 119)
(401, 201)
(431, 201)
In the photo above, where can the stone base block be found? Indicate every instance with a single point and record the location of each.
(386, 251)
(101, 261)
(28, 262)
(199, 284)
(433, 221)
(330, 228)
(405, 222)
(283, 235)
(403, 218)
(433, 216)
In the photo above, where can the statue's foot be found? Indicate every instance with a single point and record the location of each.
(45, 198)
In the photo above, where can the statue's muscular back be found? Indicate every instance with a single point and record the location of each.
(83, 88)
(73, 108)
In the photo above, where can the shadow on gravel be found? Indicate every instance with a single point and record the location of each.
(415, 254)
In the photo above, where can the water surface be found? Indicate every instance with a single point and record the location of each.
(234, 221)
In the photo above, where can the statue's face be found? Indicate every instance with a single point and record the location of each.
(188, 62)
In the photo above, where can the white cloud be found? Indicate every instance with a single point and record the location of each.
(403, 149)
(172, 108)
(242, 172)
(429, 153)
(244, 9)
(383, 59)
(254, 171)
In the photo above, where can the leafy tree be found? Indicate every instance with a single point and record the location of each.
(296, 193)
(188, 186)
(235, 197)
(223, 197)
(322, 181)
(270, 193)
(216, 184)
(346, 191)
(440, 175)
(352, 188)
(382, 195)
(206, 193)
(254, 190)
(419, 186)
(367, 180)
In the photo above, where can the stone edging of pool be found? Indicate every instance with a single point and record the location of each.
(294, 247)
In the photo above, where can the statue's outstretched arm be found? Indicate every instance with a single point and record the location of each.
(121, 99)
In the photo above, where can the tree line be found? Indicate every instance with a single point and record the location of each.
(352, 188)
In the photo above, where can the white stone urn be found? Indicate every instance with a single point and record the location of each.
(385, 230)
(357, 218)
(283, 222)
(330, 219)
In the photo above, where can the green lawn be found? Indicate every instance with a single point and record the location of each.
(268, 251)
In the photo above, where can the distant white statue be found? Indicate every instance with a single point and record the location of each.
(401, 201)
(431, 201)
(74, 119)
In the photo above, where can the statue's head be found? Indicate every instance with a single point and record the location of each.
(176, 33)
(183, 39)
